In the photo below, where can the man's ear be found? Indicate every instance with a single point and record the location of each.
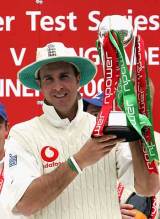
(78, 78)
(6, 129)
(78, 82)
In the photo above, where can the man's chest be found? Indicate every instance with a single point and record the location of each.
(54, 148)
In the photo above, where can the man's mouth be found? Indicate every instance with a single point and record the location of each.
(60, 95)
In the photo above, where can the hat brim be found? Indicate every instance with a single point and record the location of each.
(86, 68)
(3, 117)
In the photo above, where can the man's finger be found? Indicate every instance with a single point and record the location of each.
(130, 213)
(105, 138)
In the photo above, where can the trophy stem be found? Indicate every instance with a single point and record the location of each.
(103, 58)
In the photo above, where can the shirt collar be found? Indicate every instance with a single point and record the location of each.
(52, 116)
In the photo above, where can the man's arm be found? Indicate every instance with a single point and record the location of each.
(47, 188)
(145, 183)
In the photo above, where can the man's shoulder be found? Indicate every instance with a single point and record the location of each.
(25, 126)
(157, 139)
(24, 131)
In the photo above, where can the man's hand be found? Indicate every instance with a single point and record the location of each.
(95, 149)
(127, 211)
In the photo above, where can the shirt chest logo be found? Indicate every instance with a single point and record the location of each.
(49, 153)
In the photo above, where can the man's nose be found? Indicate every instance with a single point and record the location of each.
(58, 85)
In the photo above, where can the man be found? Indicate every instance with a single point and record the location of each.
(45, 155)
(3, 134)
(3, 130)
(93, 105)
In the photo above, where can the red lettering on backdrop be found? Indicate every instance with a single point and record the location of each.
(41, 26)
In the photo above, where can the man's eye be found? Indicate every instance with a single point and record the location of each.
(64, 76)
(47, 79)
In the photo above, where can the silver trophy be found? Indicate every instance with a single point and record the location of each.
(117, 121)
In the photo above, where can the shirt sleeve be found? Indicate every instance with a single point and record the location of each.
(125, 170)
(20, 169)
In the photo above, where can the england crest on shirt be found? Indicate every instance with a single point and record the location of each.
(12, 160)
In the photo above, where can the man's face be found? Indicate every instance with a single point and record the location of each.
(59, 85)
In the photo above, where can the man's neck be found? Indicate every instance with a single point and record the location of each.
(70, 115)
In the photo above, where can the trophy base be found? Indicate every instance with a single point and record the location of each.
(126, 132)
(117, 125)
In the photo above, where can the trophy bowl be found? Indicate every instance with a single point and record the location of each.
(119, 24)
(117, 125)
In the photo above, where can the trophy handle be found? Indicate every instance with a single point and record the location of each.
(133, 50)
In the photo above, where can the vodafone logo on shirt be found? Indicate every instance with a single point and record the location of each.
(49, 153)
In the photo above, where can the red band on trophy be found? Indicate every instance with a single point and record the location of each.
(111, 78)
(141, 86)
(154, 208)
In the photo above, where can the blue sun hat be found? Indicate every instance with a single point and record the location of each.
(96, 100)
(56, 52)
(3, 113)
